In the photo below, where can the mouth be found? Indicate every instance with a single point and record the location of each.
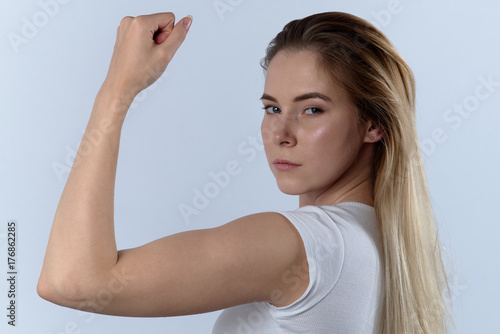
(284, 165)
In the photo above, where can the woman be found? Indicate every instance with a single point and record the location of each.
(359, 255)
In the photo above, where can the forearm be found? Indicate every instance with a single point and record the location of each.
(81, 252)
(82, 240)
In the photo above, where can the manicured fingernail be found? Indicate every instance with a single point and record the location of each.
(187, 21)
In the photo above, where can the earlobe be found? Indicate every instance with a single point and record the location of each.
(374, 133)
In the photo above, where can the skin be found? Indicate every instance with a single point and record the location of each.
(321, 133)
(198, 271)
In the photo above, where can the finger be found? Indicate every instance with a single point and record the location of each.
(161, 36)
(162, 20)
(174, 40)
(161, 25)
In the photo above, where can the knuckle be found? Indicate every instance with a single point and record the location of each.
(141, 19)
(126, 20)
(170, 14)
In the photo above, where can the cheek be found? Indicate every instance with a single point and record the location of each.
(324, 138)
(266, 136)
(331, 143)
(265, 131)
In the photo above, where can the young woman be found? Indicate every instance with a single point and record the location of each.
(360, 254)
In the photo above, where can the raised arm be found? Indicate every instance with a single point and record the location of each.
(199, 271)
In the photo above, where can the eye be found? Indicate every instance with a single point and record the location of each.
(272, 110)
(313, 110)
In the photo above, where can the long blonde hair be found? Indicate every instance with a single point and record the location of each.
(362, 59)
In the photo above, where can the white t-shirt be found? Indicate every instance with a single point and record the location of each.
(345, 293)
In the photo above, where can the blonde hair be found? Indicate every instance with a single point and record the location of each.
(381, 85)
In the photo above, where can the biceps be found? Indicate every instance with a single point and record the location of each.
(172, 276)
(198, 271)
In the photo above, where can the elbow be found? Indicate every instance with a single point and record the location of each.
(62, 291)
(45, 291)
(42, 289)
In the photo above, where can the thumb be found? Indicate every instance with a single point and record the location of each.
(176, 37)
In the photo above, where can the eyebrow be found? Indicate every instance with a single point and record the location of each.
(307, 96)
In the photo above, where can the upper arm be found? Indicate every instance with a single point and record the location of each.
(199, 271)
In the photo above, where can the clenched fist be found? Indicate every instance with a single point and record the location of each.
(144, 47)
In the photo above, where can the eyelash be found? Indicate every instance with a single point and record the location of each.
(267, 107)
(318, 110)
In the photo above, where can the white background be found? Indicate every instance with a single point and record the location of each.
(204, 113)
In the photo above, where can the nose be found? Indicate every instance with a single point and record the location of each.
(280, 130)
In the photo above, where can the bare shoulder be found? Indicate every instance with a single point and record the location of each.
(269, 231)
(278, 249)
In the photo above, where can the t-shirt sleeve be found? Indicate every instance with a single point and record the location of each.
(324, 248)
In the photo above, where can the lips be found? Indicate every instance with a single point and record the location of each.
(284, 165)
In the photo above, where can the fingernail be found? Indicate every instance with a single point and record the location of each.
(187, 21)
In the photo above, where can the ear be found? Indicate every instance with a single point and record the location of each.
(374, 133)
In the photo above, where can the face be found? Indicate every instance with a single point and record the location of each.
(310, 130)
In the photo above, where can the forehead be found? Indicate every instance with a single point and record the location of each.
(292, 73)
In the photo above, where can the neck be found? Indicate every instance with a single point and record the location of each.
(355, 185)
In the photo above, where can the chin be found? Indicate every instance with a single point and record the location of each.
(290, 189)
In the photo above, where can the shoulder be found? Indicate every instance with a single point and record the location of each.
(254, 253)
(268, 234)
